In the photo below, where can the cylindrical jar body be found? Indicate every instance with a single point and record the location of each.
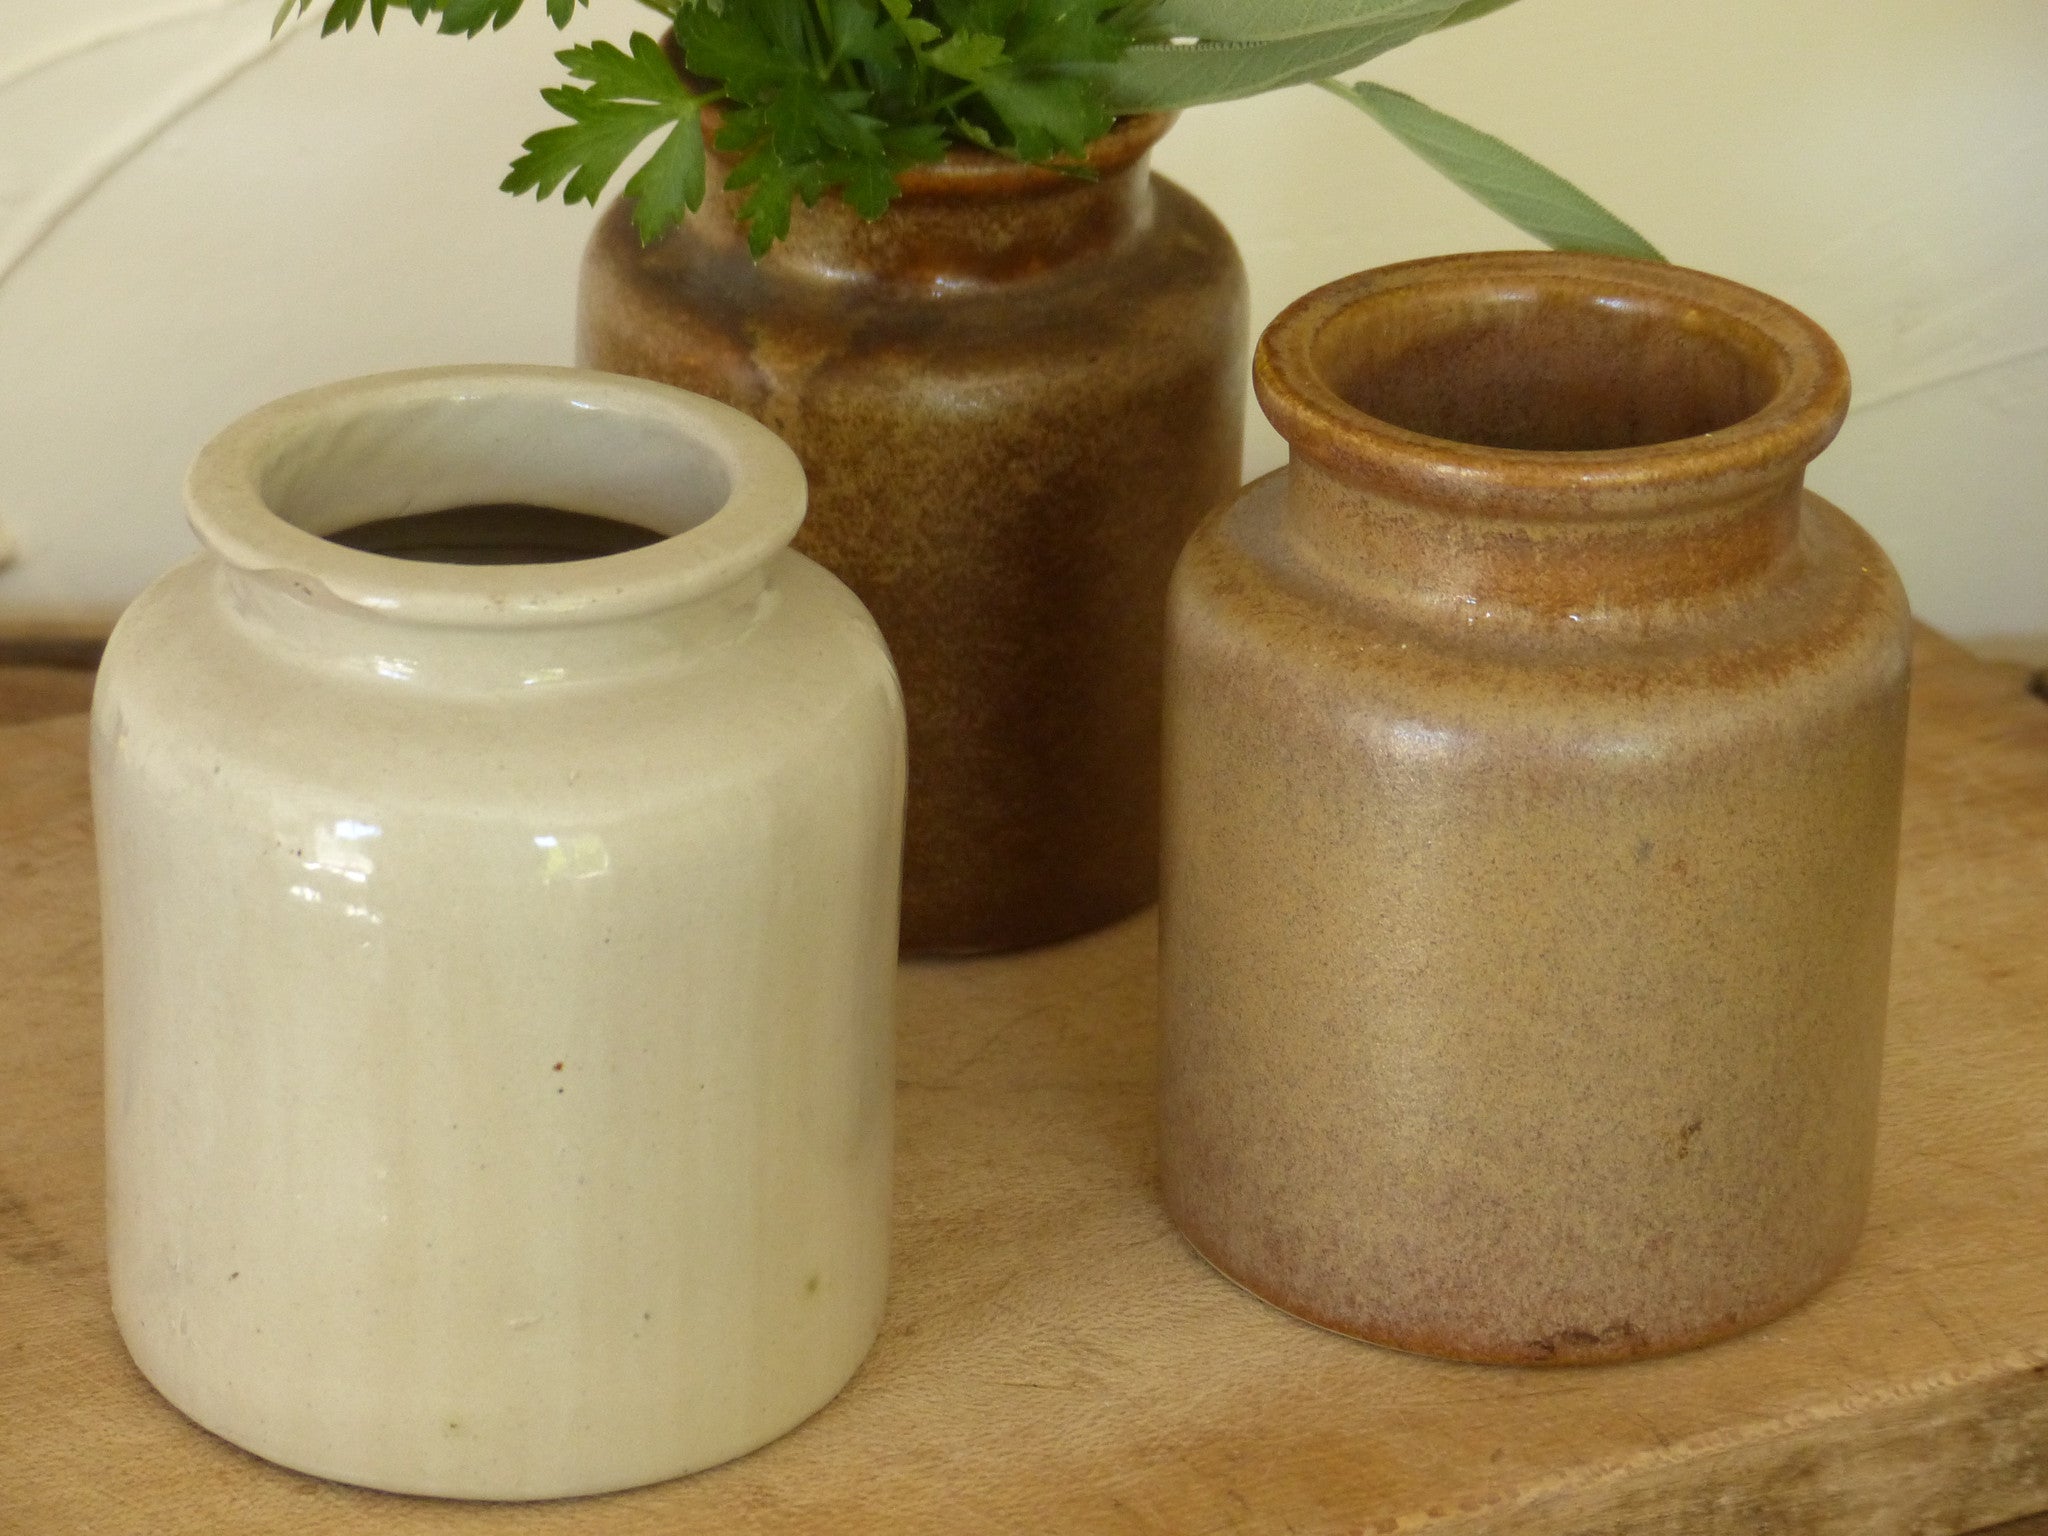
(499, 961)
(1016, 394)
(1532, 821)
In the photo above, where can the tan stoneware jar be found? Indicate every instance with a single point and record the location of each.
(1016, 394)
(499, 942)
(1534, 752)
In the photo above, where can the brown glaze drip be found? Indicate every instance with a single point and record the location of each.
(504, 533)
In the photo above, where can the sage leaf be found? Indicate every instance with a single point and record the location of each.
(1258, 21)
(1535, 200)
(1472, 10)
(1166, 77)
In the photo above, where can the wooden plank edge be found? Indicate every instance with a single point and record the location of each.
(2029, 650)
(1957, 1452)
(73, 641)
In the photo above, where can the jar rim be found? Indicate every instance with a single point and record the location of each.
(727, 493)
(1804, 409)
(969, 172)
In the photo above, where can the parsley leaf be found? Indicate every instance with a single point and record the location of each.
(629, 96)
(970, 55)
(670, 184)
(814, 96)
(844, 95)
(461, 17)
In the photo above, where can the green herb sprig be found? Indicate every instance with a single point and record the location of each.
(816, 97)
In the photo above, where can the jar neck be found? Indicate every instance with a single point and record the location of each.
(972, 221)
(296, 616)
(1524, 562)
(1542, 437)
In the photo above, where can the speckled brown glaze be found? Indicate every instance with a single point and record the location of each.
(1533, 758)
(1015, 394)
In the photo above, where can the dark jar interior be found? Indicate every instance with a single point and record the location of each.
(1574, 372)
(1548, 435)
(498, 533)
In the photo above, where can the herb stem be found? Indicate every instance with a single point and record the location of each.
(829, 65)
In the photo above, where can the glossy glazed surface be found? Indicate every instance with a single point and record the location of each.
(1532, 808)
(1015, 396)
(499, 958)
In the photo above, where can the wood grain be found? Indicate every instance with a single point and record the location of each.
(1057, 1360)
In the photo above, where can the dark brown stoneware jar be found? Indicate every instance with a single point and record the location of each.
(1015, 395)
(1534, 754)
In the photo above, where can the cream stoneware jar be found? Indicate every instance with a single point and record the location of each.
(498, 956)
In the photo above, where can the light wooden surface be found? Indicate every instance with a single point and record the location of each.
(40, 693)
(1057, 1361)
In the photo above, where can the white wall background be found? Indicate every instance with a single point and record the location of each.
(193, 221)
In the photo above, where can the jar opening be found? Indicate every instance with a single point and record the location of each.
(390, 462)
(505, 533)
(1544, 385)
(1548, 369)
(513, 495)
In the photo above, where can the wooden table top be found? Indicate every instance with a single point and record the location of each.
(1057, 1360)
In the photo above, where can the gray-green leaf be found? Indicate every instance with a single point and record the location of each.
(1165, 77)
(1472, 10)
(1258, 21)
(1533, 199)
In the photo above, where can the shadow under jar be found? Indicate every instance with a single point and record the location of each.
(1534, 746)
(1015, 396)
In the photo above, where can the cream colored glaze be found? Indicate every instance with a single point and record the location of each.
(499, 959)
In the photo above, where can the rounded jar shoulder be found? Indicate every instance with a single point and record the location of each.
(696, 311)
(203, 683)
(1250, 616)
